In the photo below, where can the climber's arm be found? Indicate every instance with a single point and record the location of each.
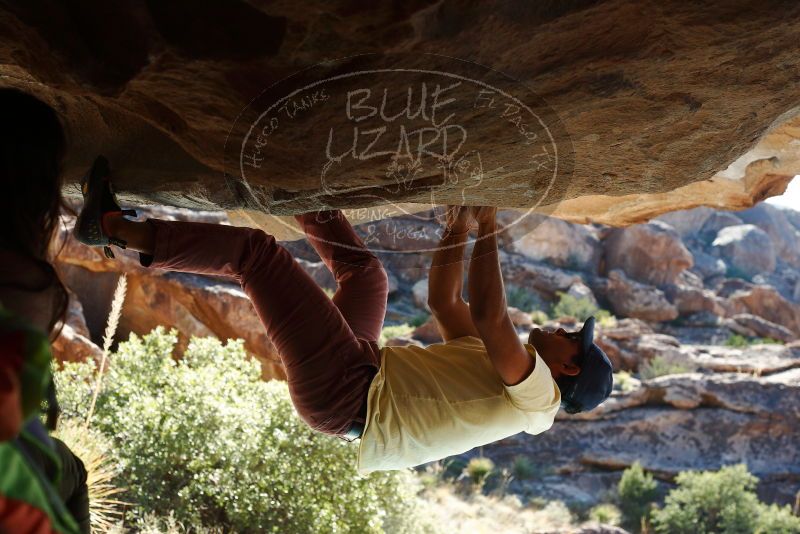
(445, 278)
(488, 307)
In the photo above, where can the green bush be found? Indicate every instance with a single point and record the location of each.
(636, 491)
(570, 306)
(478, 469)
(539, 317)
(419, 319)
(660, 366)
(521, 298)
(720, 502)
(390, 332)
(624, 382)
(607, 514)
(523, 468)
(774, 519)
(580, 309)
(205, 441)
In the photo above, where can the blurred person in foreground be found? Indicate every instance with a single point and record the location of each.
(42, 484)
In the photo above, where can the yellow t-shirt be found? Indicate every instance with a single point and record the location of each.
(428, 403)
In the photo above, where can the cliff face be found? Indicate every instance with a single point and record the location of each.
(653, 106)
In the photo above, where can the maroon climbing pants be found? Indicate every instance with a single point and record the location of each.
(328, 346)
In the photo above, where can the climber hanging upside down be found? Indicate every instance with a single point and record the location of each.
(408, 405)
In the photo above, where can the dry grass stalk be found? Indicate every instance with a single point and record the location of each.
(108, 339)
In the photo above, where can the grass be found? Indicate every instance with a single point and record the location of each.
(660, 366)
(478, 469)
(737, 340)
(607, 514)
(390, 332)
(108, 339)
(624, 382)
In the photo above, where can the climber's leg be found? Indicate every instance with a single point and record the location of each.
(363, 285)
(328, 369)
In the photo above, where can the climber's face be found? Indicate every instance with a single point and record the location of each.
(558, 349)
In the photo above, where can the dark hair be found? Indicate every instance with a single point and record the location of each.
(32, 146)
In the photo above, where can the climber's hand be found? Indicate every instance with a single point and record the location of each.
(484, 214)
(458, 219)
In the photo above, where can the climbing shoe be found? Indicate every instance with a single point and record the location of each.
(99, 202)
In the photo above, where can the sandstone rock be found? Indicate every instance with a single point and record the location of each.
(194, 305)
(73, 343)
(706, 265)
(746, 248)
(579, 290)
(690, 300)
(519, 318)
(394, 284)
(403, 341)
(319, 272)
(130, 102)
(632, 299)
(784, 237)
(72, 346)
(546, 281)
(766, 302)
(755, 359)
(427, 332)
(676, 423)
(75, 318)
(763, 328)
(555, 242)
(716, 222)
(420, 293)
(651, 253)
(687, 222)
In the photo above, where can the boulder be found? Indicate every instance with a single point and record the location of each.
(632, 299)
(427, 332)
(404, 341)
(784, 236)
(72, 346)
(689, 300)
(767, 303)
(581, 291)
(420, 292)
(553, 241)
(746, 249)
(756, 360)
(535, 277)
(763, 328)
(676, 423)
(650, 253)
(706, 265)
(519, 318)
(714, 223)
(687, 222)
(73, 343)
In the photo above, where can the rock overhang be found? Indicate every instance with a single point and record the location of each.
(698, 106)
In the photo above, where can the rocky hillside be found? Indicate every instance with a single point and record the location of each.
(704, 326)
